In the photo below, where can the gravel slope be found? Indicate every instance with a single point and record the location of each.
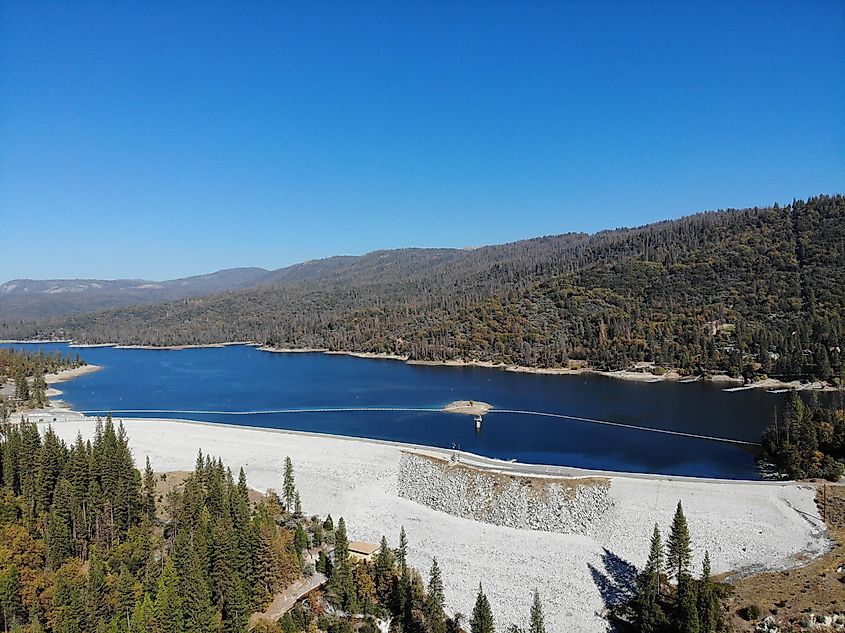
(743, 525)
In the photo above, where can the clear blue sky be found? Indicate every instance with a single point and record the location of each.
(161, 139)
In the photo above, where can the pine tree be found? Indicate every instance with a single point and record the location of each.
(58, 538)
(435, 600)
(197, 609)
(536, 625)
(289, 486)
(269, 571)
(678, 545)
(708, 602)
(149, 492)
(300, 540)
(97, 608)
(482, 615)
(143, 618)
(328, 524)
(341, 583)
(297, 506)
(402, 551)
(10, 598)
(686, 609)
(649, 614)
(168, 602)
(125, 601)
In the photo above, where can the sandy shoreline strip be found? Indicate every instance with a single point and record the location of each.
(622, 374)
(743, 525)
(70, 374)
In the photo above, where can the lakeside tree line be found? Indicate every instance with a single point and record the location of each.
(89, 543)
(26, 369)
(808, 441)
(749, 291)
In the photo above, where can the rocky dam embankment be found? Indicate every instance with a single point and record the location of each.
(552, 504)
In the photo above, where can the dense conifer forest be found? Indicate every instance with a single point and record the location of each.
(90, 544)
(753, 291)
(808, 441)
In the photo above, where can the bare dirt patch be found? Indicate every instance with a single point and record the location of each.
(790, 597)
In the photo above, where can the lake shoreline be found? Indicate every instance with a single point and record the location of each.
(672, 375)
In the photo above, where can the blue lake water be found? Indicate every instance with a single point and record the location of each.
(239, 378)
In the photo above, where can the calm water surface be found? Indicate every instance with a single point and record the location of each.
(241, 378)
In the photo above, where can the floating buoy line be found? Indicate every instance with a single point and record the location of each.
(546, 414)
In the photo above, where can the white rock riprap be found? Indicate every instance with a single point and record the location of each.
(553, 504)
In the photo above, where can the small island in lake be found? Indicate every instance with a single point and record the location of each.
(468, 407)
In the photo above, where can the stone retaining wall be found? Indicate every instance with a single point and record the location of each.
(566, 505)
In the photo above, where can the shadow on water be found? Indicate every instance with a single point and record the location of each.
(616, 583)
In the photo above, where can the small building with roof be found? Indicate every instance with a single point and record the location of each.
(359, 550)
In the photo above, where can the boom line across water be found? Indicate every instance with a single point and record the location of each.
(421, 410)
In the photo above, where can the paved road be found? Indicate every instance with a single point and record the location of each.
(284, 601)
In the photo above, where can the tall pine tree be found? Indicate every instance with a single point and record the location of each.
(536, 623)
(482, 614)
(678, 545)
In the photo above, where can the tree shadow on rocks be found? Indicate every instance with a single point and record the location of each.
(616, 583)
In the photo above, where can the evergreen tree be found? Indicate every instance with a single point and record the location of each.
(402, 551)
(649, 614)
(10, 598)
(125, 600)
(289, 486)
(269, 571)
(686, 609)
(97, 608)
(197, 609)
(435, 601)
(22, 389)
(58, 538)
(482, 615)
(536, 623)
(143, 618)
(168, 602)
(708, 602)
(678, 545)
(300, 540)
(149, 491)
(321, 563)
(341, 583)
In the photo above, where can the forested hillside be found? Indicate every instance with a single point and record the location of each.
(755, 290)
(89, 544)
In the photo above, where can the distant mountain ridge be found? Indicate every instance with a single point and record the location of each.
(750, 290)
(32, 299)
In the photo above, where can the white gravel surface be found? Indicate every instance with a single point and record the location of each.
(743, 525)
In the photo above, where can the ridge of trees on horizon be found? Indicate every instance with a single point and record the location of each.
(748, 292)
(88, 543)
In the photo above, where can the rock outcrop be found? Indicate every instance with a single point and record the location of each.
(567, 505)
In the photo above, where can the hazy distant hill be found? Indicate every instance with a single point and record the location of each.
(28, 299)
(755, 289)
